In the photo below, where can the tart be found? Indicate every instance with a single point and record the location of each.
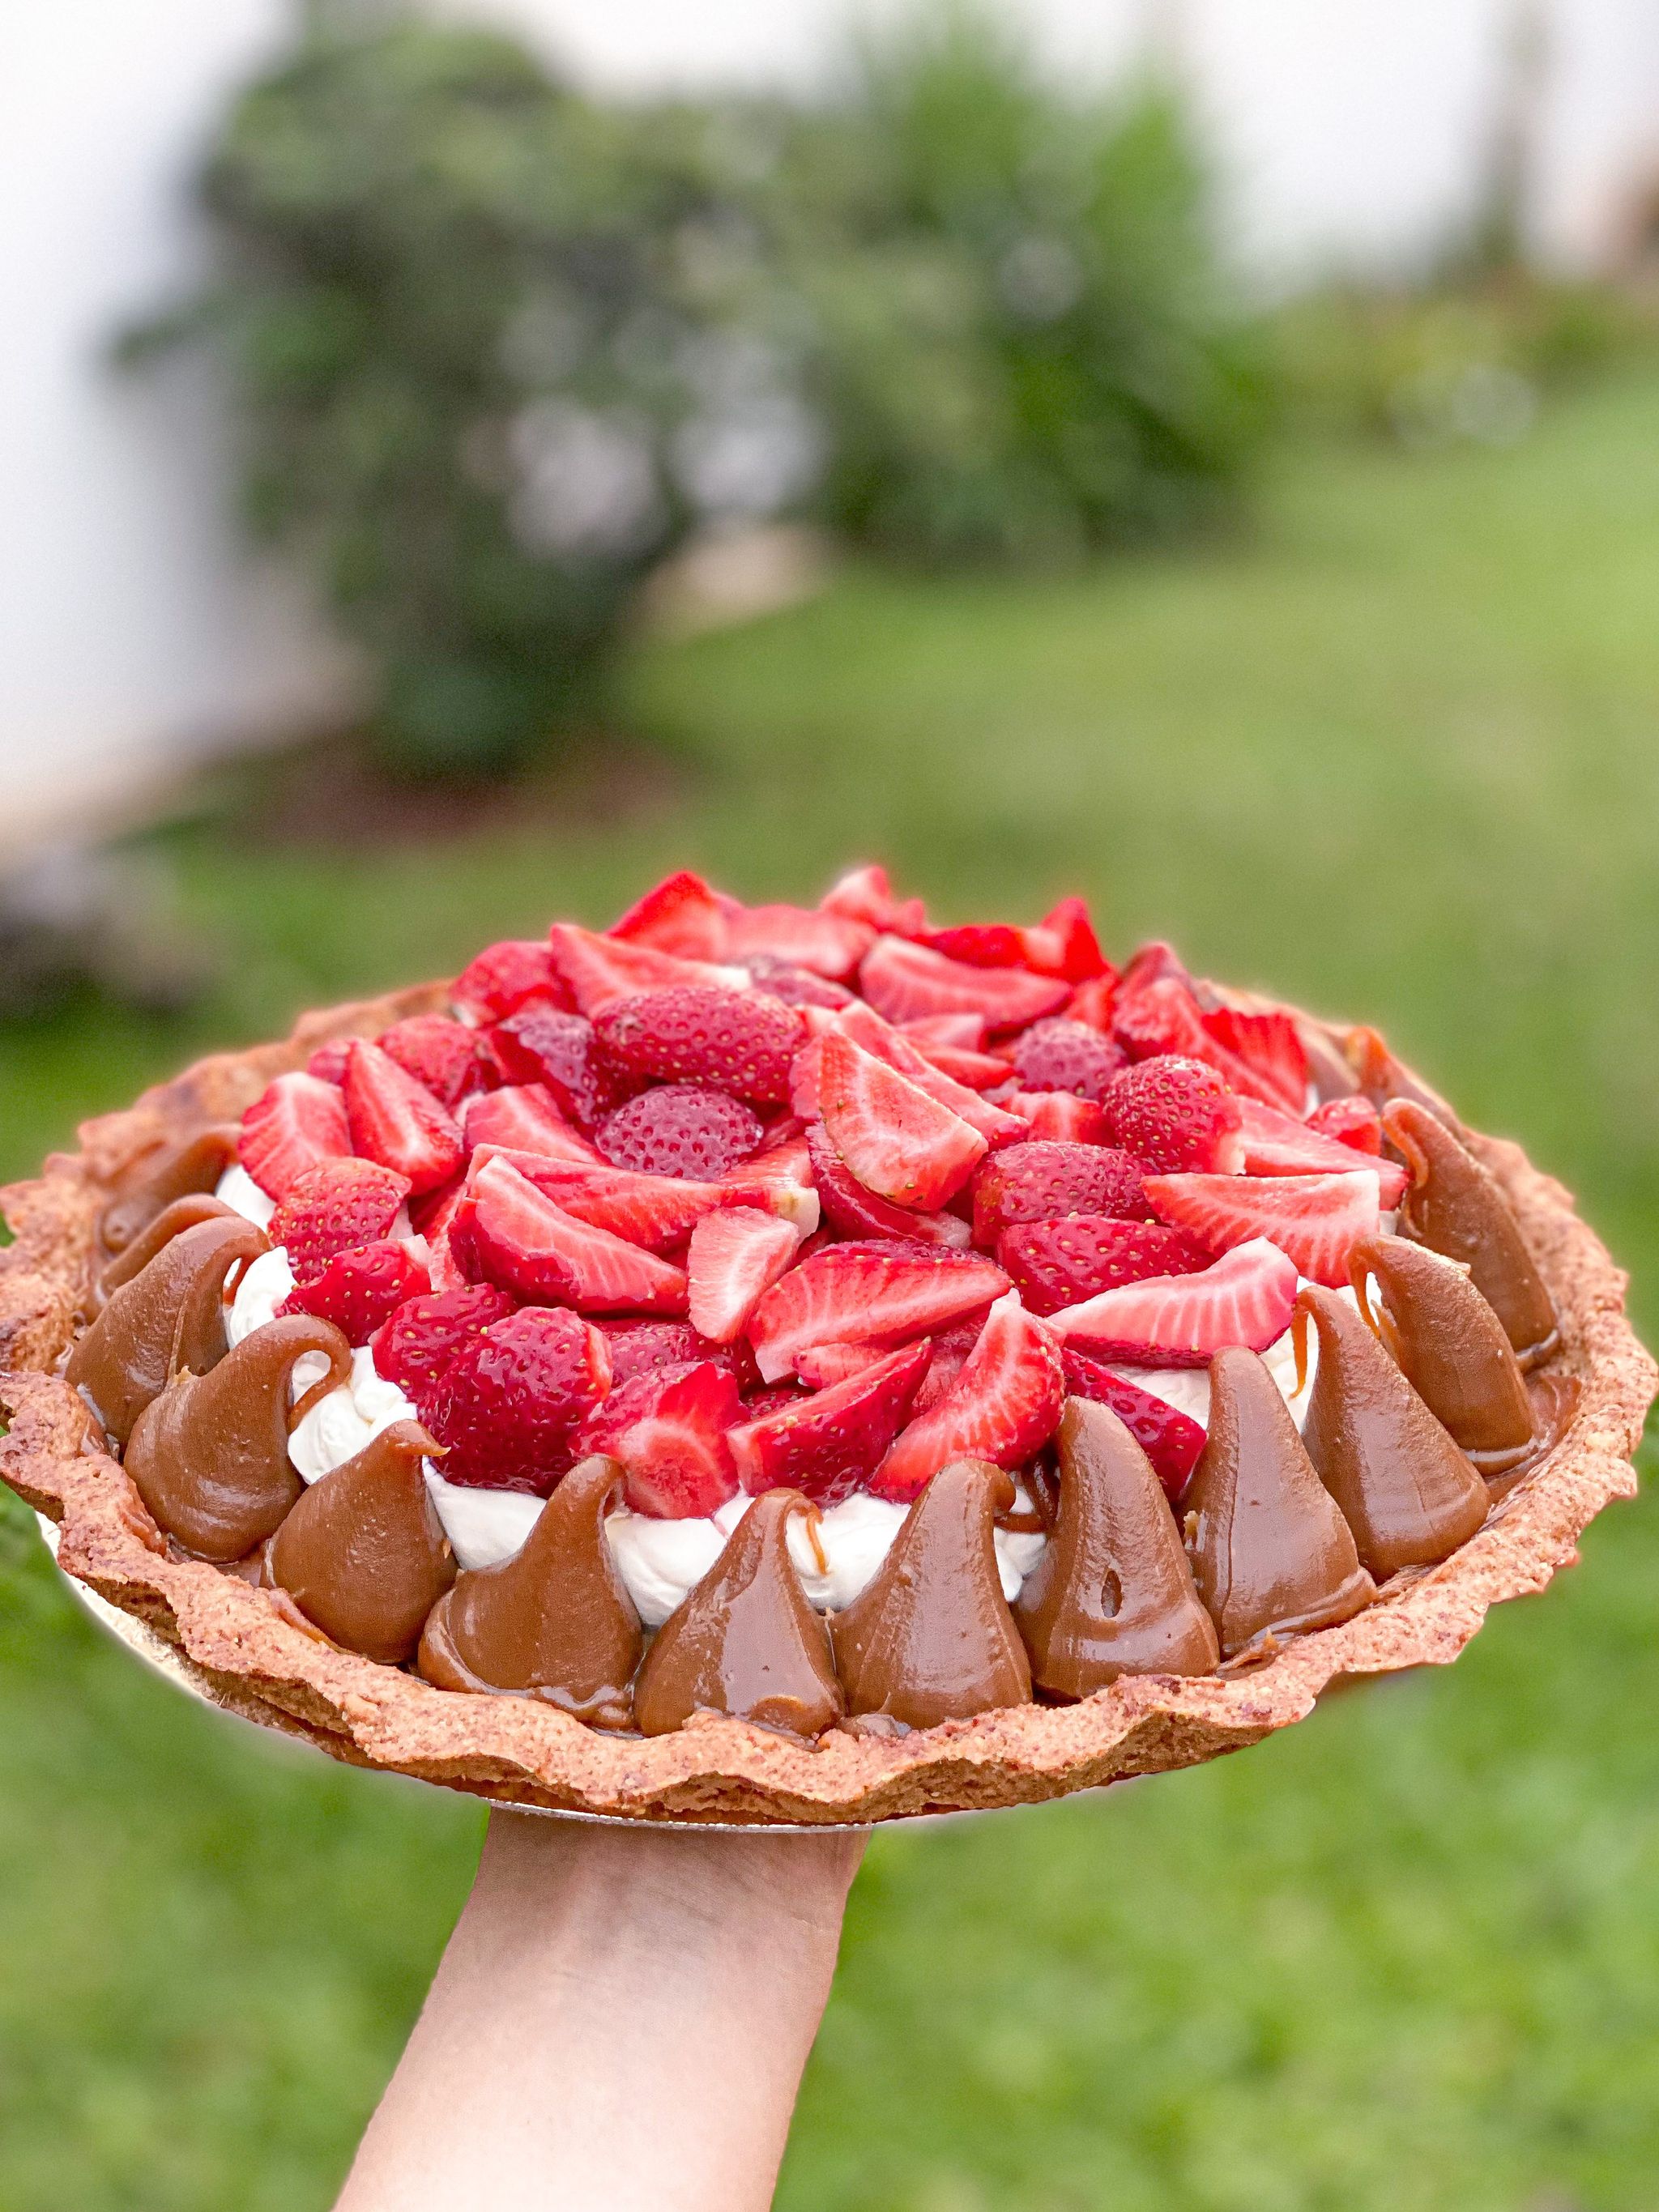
(805, 1365)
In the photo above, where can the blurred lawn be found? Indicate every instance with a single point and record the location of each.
(1399, 757)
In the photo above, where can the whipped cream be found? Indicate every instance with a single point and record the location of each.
(237, 1189)
(1188, 1389)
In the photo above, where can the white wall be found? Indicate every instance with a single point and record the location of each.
(131, 625)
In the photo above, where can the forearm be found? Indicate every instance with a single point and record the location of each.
(621, 2018)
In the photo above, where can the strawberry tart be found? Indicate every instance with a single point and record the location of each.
(774, 1364)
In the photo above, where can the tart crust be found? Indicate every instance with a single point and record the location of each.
(253, 1658)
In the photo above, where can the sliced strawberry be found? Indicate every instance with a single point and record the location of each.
(1276, 1143)
(516, 1237)
(359, 1290)
(1043, 1181)
(879, 1037)
(1094, 1003)
(651, 1211)
(1155, 962)
(1057, 1055)
(825, 1364)
(960, 1032)
(980, 943)
(783, 1170)
(1164, 1017)
(796, 987)
(509, 1401)
(1171, 1440)
(415, 1346)
(562, 1052)
(975, 1070)
(328, 1062)
(733, 1258)
(1314, 1219)
(1178, 1321)
(331, 1207)
(650, 1347)
(829, 944)
(523, 1118)
(672, 1433)
(397, 1120)
(1352, 1122)
(897, 1141)
(503, 976)
(435, 1225)
(950, 1349)
(442, 1055)
(1059, 1117)
(1059, 1263)
(1080, 959)
(1174, 1114)
(904, 981)
(681, 915)
(1269, 1044)
(864, 1294)
(1004, 1405)
(857, 1211)
(291, 1126)
(828, 1445)
(680, 1129)
(596, 969)
(742, 1042)
(864, 895)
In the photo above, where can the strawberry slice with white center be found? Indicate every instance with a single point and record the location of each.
(671, 1433)
(867, 1294)
(783, 1170)
(905, 982)
(650, 1210)
(503, 976)
(897, 1140)
(960, 1032)
(1270, 1046)
(828, 1445)
(866, 895)
(296, 1123)
(523, 1118)
(1060, 1117)
(1314, 1219)
(515, 1237)
(879, 1038)
(829, 944)
(732, 1259)
(1177, 1321)
(596, 969)
(857, 1211)
(397, 1120)
(824, 1366)
(681, 915)
(1004, 1405)
(1274, 1144)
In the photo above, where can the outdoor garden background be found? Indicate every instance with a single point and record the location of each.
(1349, 684)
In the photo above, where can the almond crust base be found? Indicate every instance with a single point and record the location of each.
(251, 1658)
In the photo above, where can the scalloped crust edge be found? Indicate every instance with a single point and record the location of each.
(252, 1660)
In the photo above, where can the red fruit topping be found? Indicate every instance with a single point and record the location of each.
(825, 1364)
(783, 1170)
(828, 1445)
(864, 895)
(1039, 1181)
(1156, 962)
(648, 1347)
(509, 1401)
(328, 1062)
(897, 1140)
(981, 945)
(1269, 1045)
(539, 1044)
(1177, 1321)
(1061, 1263)
(671, 1432)
(796, 987)
(503, 976)
(681, 915)
(1276, 1143)
(857, 1211)
(1093, 1003)
(359, 1290)
(514, 1236)
(289, 1127)
(738, 1041)
(397, 1120)
(825, 943)
(975, 1070)
(905, 982)
(331, 1207)
(1164, 1017)
(1314, 1219)
(679, 1130)
(1059, 1117)
(1174, 1114)
(654, 1210)
(440, 1053)
(1352, 1122)
(1171, 1440)
(597, 970)
(1005, 1403)
(868, 1030)
(416, 1345)
(864, 1294)
(960, 1032)
(731, 1258)
(524, 1119)
(1066, 1055)
(1080, 959)
(435, 1225)
(949, 1356)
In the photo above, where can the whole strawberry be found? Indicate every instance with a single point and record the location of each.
(1174, 1114)
(421, 1341)
(333, 1207)
(442, 1054)
(1043, 1180)
(735, 1041)
(1066, 1055)
(1061, 1263)
(506, 1405)
(361, 1290)
(679, 1129)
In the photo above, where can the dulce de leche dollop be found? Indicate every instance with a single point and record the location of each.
(1451, 1348)
(170, 1316)
(209, 1454)
(553, 1621)
(172, 1221)
(745, 1641)
(1407, 1492)
(363, 1554)
(162, 1175)
(1112, 1592)
(931, 1638)
(1455, 1206)
(1271, 1551)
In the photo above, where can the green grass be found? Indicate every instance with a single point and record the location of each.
(1399, 756)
